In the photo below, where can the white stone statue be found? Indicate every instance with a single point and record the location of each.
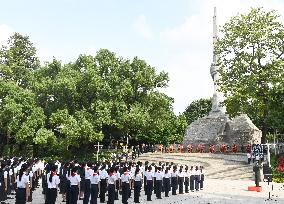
(218, 96)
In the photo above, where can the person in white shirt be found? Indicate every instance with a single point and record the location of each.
(197, 178)
(95, 185)
(167, 181)
(186, 179)
(103, 183)
(87, 183)
(111, 186)
(74, 180)
(201, 177)
(249, 157)
(52, 185)
(191, 178)
(138, 181)
(22, 186)
(149, 183)
(180, 180)
(159, 179)
(174, 176)
(125, 179)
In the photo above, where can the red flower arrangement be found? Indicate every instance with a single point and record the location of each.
(234, 148)
(211, 148)
(222, 148)
(280, 164)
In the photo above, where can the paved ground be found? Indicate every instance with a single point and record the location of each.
(215, 191)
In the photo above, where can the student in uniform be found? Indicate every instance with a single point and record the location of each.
(167, 181)
(174, 181)
(186, 179)
(2, 183)
(197, 178)
(191, 178)
(201, 177)
(180, 180)
(88, 174)
(52, 185)
(111, 186)
(117, 185)
(149, 184)
(159, 181)
(74, 179)
(125, 177)
(103, 183)
(95, 185)
(22, 186)
(63, 181)
(138, 181)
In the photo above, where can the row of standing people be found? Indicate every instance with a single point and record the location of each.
(91, 181)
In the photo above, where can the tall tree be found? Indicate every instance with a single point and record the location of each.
(197, 109)
(251, 56)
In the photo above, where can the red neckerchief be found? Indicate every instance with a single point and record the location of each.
(110, 174)
(53, 173)
(126, 173)
(94, 174)
(73, 174)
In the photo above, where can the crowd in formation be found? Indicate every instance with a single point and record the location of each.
(95, 182)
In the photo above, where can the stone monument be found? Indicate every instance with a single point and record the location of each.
(217, 127)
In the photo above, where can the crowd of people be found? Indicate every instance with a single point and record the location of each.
(95, 182)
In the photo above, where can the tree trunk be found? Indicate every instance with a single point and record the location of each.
(265, 125)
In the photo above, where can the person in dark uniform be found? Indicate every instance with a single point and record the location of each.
(117, 185)
(174, 181)
(180, 180)
(52, 186)
(149, 184)
(63, 181)
(256, 169)
(2, 183)
(125, 178)
(186, 179)
(138, 180)
(103, 183)
(81, 173)
(87, 188)
(159, 181)
(22, 186)
(167, 181)
(201, 177)
(111, 186)
(197, 178)
(191, 178)
(95, 182)
(74, 179)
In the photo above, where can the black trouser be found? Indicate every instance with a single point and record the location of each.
(73, 196)
(167, 186)
(125, 192)
(149, 189)
(87, 191)
(180, 185)
(137, 189)
(186, 184)
(191, 182)
(145, 184)
(197, 180)
(174, 185)
(158, 188)
(116, 190)
(94, 193)
(51, 195)
(201, 181)
(249, 160)
(111, 194)
(103, 186)
(21, 196)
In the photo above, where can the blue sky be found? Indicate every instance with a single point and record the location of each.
(171, 35)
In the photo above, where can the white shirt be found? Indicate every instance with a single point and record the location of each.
(88, 173)
(181, 174)
(24, 181)
(95, 178)
(74, 180)
(159, 176)
(138, 177)
(248, 155)
(125, 177)
(54, 182)
(174, 174)
(167, 175)
(149, 175)
(103, 174)
(111, 179)
(5, 174)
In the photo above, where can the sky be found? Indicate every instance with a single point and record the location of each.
(170, 35)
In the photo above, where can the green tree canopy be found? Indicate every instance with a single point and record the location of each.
(251, 54)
